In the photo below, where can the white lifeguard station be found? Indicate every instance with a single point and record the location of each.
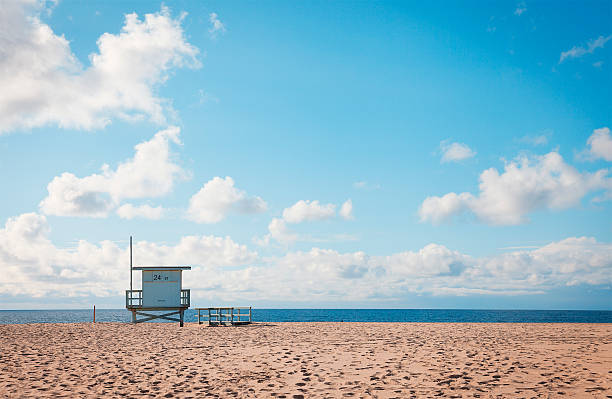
(162, 291)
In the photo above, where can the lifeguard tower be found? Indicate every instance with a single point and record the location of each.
(161, 292)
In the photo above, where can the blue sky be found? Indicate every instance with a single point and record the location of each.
(333, 154)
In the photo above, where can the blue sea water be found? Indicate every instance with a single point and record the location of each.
(319, 315)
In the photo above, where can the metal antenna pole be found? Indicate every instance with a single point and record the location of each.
(131, 263)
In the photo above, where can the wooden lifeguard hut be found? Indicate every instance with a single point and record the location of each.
(162, 291)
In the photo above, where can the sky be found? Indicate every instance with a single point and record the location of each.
(314, 154)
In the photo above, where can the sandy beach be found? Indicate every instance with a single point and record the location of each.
(295, 360)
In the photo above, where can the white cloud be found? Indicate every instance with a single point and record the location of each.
(205, 97)
(440, 209)
(129, 211)
(304, 211)
(279, 231)
(579, 51)
(33, 266)
(431, 260)
(526, 185)
(600, 144)
(346, 210)
(321, 275)
(198, 251)
(536, 140)
(150, 173)
(308, 211)
(364, 185)
(218, 197)
(575, 260)
(216, 25)
(491, 28)
(520, 8)
(454, 152)
(539, 140)
(43, 83)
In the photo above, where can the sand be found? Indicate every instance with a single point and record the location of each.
(295, 360)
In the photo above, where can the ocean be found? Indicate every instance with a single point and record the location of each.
(336, 315)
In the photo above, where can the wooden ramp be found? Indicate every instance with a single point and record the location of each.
(227, 316)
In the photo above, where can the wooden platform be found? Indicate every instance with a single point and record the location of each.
(133, 303)
(225, 316)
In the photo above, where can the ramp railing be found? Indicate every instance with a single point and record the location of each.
(225, 315)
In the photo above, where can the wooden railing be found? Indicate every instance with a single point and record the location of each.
(185, 298)
(225, 316)
(133, 298)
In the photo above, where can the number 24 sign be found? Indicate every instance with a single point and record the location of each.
(159, 277)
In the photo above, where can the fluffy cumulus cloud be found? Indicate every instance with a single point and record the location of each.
(228, 271)
(580, 51)
(198, 251)
(35, 267)
(431, 260)
(309, 211)
(526, 185)
(303, 211)
(218, 197)
(439, 209)
(43, 83)
(600, 144)
(454, 152)
(321, 275)
(278, 230)
(150, 173)
(346, 210)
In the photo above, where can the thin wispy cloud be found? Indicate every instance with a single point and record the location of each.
(129, 211)
(521, 8)
(491, 25)
(216, 26)
(580, 51)
(535, 140)
(364, 185)
(538, 139)
(205, 97)
(520, 247)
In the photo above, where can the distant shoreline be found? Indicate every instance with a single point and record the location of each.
(332, 315)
